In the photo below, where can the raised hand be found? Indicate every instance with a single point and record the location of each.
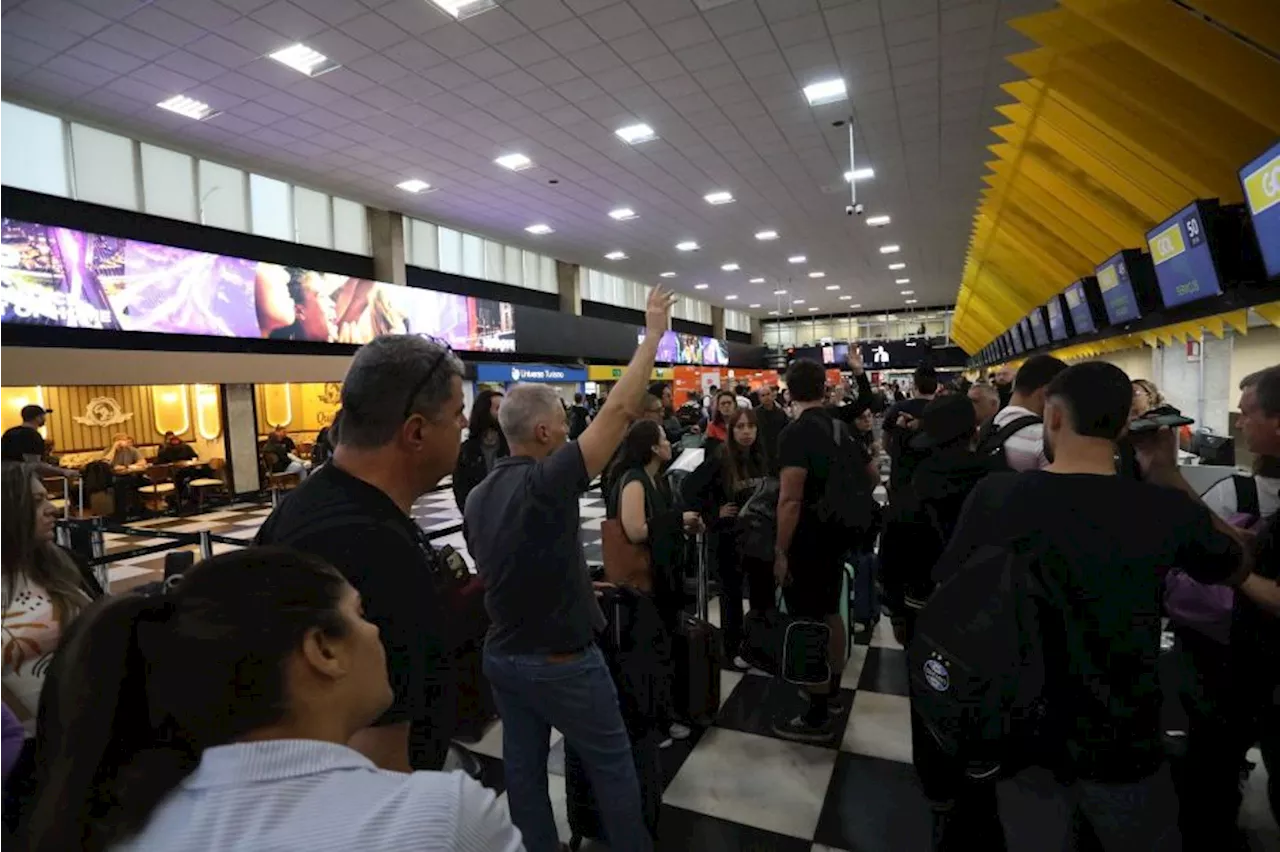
(657, 313)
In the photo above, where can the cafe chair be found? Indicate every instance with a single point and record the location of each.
(216, 482)
(280, 483)
(155, 496)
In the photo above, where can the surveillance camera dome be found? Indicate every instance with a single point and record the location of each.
(848, 210)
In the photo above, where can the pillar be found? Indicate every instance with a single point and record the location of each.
(570, 286)
(386, 238)
(757, 331)
(240, 426)
(717, 322)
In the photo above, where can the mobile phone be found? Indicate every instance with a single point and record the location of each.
(1164, 416)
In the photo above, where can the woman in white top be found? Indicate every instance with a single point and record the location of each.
(217, 717)
(1223, 497)
(43, 589)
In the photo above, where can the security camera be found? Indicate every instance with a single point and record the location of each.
(852, 209)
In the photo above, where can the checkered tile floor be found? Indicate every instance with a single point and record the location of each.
(733, 786)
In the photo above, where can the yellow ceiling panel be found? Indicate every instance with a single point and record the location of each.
(1255, 19)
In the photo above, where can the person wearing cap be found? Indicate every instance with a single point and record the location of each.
(922, 516)
(25, 443)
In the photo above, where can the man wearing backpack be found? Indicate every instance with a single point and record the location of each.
(824, 504)
(1068, 701)
(1014, 438)
(900, 424)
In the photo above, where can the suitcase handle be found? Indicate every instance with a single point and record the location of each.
(703, 603)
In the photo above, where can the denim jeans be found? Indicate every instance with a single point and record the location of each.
(578, 697)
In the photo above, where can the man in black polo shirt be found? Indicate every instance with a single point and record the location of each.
(522, 527)
(24, 443)
(402, 419)
(810, 555)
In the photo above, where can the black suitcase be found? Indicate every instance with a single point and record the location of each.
(584, 816)
(696, 657)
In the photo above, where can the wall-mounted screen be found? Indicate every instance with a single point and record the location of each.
(1015, 335)
(1057, 321)
(1116, 286)
(676, 348)
(1078, 306)
(1261, 182)
(1038, 332)
(1179, 249)
(56, 276)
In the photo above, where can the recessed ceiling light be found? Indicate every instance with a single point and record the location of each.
(701, 286)
(730, 298)
(797, 301)
(766, 235)
(858, 305)
(773, 313)
(304, 60)
(845, 298)
(756, 281)
(860, 174)
(622, 214)
(720, 196)
(414, 185)
(877, 221)
(666, 275)
(908, 292)
(911, 301)
(825, 92)
(779, 292)
(515, 162)
(634, 134)
(730, 267)
(461, 9)
(817, 275)
(897, 266)
(687, 245)
(754, 305)
(540, 229)
(616, 255)
(833, 286)
(189, 107)
(797, 258)
(902, 281)
(890, 249)
(813, 308)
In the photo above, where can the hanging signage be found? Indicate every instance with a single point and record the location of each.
(609, 373)
(511, 373)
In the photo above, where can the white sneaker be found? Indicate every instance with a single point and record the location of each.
(665, 743)
(741, 664)
(678, 731)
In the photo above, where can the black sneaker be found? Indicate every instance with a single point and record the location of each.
(797, 729)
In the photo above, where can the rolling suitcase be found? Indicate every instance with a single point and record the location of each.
(696, 655)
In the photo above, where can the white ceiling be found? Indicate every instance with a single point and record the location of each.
(422, 96)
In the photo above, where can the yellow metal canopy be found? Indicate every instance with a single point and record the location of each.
(1131, 109)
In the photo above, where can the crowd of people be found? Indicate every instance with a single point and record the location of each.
(303, 693)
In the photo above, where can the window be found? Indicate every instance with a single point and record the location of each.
(271, 207)
(312, 217)
(33, 151)
(222, 200)
(168, 183)
(350, 227)
(104, 169)
(450, 250)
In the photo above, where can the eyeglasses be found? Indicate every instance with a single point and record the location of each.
(422, 383)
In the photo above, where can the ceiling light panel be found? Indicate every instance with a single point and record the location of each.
(908, 292)
(666, 275)
(701, 286)
(833, 286)
(860, 174)
(622, 214)
(304, 60)
(813, 308)
(911, 301)
(730, 267)
(515, 162)
(797, 301)
(779, 292)
(462, 9)
(890, 249)
(540, 229)
(756, 281)
(634, 134)
(413, 185)
(825, 92)
(720, 196)
(817, 275)
(754, 305)
(766, 235)
(616, 255)
(897, 266)
(687, 245)
(188, 107)
(845, 298)
(730, 298)
(902, 281)
(878, 221)
(797, 258)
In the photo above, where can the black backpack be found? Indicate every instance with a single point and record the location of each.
(577, 421)
(757, 522)
(846, 505)
(991, 440)
(977, 663)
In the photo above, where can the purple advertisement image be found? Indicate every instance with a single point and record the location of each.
(62, 277)
(676, 348)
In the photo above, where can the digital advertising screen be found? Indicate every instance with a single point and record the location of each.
(1078, 306)
(1261, 182)
(1116, 287)
(676, 348)
(1184, 264)
(1057, 322)
(60, 277)
(1038, 332)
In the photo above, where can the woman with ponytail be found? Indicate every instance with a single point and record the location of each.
(217, 717)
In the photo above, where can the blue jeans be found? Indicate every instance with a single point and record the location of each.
(866, 600)
(576, 696)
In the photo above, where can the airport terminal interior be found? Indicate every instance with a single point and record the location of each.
(210, 205)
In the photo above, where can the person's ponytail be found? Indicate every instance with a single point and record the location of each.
(103, 764)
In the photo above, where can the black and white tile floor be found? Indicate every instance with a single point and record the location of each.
(733, 786)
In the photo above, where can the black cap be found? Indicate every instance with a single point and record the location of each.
(945, 420)
(31, 412)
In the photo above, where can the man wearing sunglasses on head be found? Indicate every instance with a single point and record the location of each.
(402, 420)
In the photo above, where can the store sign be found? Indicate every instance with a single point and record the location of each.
(53, 276)
(600, 373)
(504, 373)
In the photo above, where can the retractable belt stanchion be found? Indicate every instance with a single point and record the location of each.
(206, 545)
(98, 547)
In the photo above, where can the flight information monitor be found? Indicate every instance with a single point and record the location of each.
(1028, 342)
(1015, 337)
(1184, 262)
(1057, 321)
(1261, 182)
(1038, 331)
(1078, 306)
(1116, 286)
